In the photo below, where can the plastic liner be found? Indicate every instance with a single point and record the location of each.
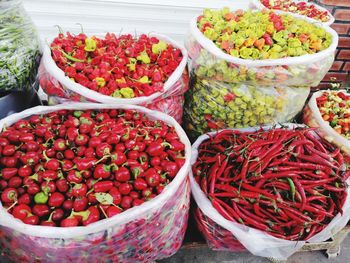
(212, 105)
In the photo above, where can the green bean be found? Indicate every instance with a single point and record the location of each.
(19, 48)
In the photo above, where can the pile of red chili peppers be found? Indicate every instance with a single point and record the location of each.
(122, 67)
(288, 183)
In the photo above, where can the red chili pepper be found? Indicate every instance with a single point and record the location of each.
(332, 188)
(248, 220)
(301, 191)
(317, 160)
(318, 145)
(221, 210)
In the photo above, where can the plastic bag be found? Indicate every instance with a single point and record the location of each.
(87, 94)
(19, 48)
(257, 242)
(313, 118)
(213, 105)
(256, 4)
(217, 238)
(151, 231)
(207, 61)
(170, 102)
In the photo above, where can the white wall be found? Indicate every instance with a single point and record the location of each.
(169, 17)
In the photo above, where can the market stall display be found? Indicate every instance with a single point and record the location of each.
(329, 112)
(19, 48)
(150, 69)
(80, 171)
(108, 181)
(300, 7)
(277, 187)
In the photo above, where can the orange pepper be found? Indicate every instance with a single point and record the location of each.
(303, 38)
(230, 16)
(225, 45)
(338, 130)
(259, 44)
(317, 45)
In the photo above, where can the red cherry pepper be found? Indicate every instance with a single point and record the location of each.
(49, 175)
(8, 150)
(79, 190)
(52, 164)
(156, 148)
(60, 145)
(9, 195)
(177, 145)
(56, 199)
(48, 187)
(21, 211)
(71, 221)
(7, 173)
(85, 163)
(74, 177)
(118, 158)
(117, 198)
(24, 199)
(102, 171)
(31, 220)
(103, 149)
(153, 179)
(122, 174)
(41, 210)
(103, 186)
(93, 216)
(112, 211)
(125, 188)
(62, 185)
(140, 184)
(126, 202)
(25, 171)
(80, 203)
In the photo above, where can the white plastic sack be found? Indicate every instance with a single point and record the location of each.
(89, 95)
(170, 102)
(151, 231)
(313, 118)
(258, 5)
(209, 61)
(212, 105)
(258, 242)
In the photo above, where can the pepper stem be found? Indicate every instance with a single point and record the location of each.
(103, 211)
(11, 206)
(60, 30)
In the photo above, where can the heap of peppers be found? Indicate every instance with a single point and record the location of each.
(300, 7)
(287, 183)
(73, 168)
(262, 35)
(334, 107)
(121, 67)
